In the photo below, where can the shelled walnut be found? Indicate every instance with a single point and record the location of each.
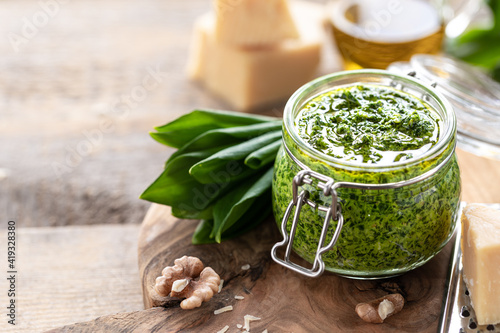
(190, 280)
(378, 310)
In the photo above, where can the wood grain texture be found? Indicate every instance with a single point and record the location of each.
(72, 274)
(285, 301)
(480, 178)
(87, 65)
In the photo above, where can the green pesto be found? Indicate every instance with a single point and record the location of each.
(368, 124)
(386, 232)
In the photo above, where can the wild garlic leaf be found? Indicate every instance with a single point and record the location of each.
(228, 136)
(235, 203)
(176, 187)
(480, 46)
(263, 156)
(231, 159)
(186, 213)
(255, 214)
(187, 127)
(202, 233)
(221, 172)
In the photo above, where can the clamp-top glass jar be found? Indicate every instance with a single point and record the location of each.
(364, 220)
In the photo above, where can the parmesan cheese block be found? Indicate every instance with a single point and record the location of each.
(481, 261)
(250, 77)
(253, 22)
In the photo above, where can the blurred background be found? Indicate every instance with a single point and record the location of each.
(74, 112)
(66, 69)
(83, 82)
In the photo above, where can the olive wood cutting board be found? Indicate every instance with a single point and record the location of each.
(285, 301)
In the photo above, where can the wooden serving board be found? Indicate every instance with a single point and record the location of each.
(286, 301)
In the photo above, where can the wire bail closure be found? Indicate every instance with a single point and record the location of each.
(334, 213)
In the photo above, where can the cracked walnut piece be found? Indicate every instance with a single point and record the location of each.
(378, 310)
(188, 279)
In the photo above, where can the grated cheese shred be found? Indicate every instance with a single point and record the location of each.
(221, 284)
(224, 329)
(224, 309)
(248, 319)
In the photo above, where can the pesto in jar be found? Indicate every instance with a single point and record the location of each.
(368, 124)
(388, 231)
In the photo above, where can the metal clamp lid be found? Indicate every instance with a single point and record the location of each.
(333, 212)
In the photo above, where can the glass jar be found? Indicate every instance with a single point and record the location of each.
(364, 220)
(475, 98)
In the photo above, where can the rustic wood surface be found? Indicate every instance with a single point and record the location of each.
(74, 121)
(73, 99)
(286, 301)
(72, 274)
(480, 178)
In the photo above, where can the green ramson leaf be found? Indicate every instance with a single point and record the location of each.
(480, 46)
(496, 72)
(228, 136)
(235, 203)
(208, 172)
(207, 213)
(485, 54)
(258, 212)
(185, 128)
(263, 156)
(227, 160)
(176, 188)
(495, 9)
(202, 233)
(212, 151)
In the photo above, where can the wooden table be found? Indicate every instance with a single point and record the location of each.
(71, 274)
(480, 178)
(57, 87)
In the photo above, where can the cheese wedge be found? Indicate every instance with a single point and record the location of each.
(253, 22)
(481, 261)
(250, 77)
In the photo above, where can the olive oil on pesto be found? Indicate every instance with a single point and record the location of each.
(369, 124)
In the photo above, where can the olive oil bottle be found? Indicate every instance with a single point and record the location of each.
(376, 33)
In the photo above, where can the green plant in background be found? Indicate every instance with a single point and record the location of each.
(480, 46)
(221, 172)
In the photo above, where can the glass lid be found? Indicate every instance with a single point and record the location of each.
(474, 95)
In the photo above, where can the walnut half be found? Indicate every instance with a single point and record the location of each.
(376, 311)
(190, 280)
